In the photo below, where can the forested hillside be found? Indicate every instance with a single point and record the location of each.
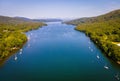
(104, 30)
(109, 16)
(48, 20)
(12, 35)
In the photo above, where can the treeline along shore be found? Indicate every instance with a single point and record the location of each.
(104, 31)
(12, 34)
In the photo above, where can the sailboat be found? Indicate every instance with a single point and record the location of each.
(15, 57)
(28, 38)
(20, 52)
(106, 67)
(98, 57)
(20, 49)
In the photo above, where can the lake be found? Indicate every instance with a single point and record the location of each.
(57, 52)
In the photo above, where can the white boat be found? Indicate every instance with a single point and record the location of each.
(20, 52)
(15, 57)
(98, 57)
(20, 49)
(28, 38)
(106, 67)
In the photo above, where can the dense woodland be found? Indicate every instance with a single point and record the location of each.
(104, 30)
(12, 34)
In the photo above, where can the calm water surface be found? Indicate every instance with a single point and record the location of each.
(57, 52)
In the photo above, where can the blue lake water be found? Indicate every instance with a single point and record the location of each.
(57, 52)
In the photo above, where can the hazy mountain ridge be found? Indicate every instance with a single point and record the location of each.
(48, 20)
(6, 19)
(109, 16)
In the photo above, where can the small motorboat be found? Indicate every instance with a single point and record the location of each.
(20, 52)
(106, 67)
(98, 57)
(20, 49)
(15, 57)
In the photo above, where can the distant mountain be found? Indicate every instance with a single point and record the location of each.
(109, 16)
(77, 21)
(23, 18)
(48, 20)
(6, 19)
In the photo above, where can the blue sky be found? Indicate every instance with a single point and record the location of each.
(57, 8)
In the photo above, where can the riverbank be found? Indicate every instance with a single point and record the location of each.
(13, 37)
(101, 39)
(3, 60)
(103, 30)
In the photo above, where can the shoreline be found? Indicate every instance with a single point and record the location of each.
(2, 61)
(100, 47)
(16, 49)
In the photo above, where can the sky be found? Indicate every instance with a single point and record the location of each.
(57, 8)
